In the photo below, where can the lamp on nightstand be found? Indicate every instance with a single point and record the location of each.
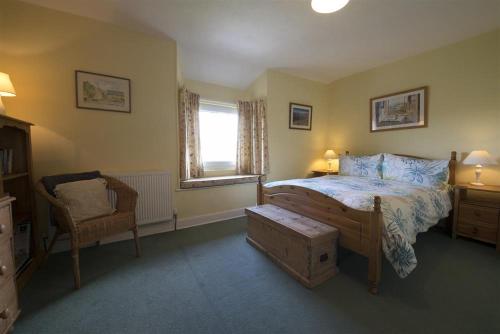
(479, 158)
(6, 89)
(330, 156)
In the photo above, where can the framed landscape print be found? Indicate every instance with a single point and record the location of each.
(402, 110)
(300, 116)
(102, 92)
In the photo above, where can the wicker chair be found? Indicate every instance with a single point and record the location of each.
(93, 230)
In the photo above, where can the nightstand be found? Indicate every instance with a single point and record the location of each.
(323, 172)
(477, 219)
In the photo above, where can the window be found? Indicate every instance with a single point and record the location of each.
(218, 135)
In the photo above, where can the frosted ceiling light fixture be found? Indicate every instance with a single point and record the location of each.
(328, 6)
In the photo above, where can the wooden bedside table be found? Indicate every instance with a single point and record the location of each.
(477, 219)
(323, 172)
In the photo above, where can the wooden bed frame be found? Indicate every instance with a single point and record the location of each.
(360, 231)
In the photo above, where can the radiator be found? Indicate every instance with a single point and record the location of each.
(154, 203)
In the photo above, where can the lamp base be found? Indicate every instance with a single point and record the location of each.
(477, 183)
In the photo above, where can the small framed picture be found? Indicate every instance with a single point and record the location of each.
(300, 116)
(402, 110)
(102, 92)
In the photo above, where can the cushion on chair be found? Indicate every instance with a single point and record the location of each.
(85, 199)
(50, 182)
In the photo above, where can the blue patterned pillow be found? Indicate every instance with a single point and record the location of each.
(368, 165)
(423, 172)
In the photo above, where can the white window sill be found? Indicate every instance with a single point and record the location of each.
(216, 181)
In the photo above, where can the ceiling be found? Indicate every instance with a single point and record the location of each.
(231, 42)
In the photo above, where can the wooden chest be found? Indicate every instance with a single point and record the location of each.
(305, 248)
(8, 292)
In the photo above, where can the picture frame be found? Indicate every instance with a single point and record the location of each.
(402, 110)
(96, 91)
(300, 116)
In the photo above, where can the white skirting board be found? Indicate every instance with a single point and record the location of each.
(210, 218)
(63, 243)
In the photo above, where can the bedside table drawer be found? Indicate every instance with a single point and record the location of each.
(486, 234)
(473, 214)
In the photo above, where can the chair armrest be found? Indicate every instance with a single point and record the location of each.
(126, 197)
(62, 210)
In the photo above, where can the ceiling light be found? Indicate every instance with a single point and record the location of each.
(328, 6)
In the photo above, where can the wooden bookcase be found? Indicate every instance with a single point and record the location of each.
(15, 135)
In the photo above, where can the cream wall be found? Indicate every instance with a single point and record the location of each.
(215, 92)
(42, 48)
(258, 88)
(294, 153)
(464, 104)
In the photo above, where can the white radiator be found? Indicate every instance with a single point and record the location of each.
(154, 203)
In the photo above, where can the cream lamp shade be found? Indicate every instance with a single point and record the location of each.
(6, 89)
(330, 156)
(479, 159)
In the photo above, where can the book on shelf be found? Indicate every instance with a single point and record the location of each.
(22, 245)
(6, 160)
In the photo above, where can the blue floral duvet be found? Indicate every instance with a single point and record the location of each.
(407, 209)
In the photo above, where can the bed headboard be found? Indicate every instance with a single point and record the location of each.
(452, 165)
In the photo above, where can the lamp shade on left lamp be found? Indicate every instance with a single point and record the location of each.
(6, 89)
(330, 156)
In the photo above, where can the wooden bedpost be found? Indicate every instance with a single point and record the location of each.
(452, 166)
(375, 251)
(451, 181)
(260, 198)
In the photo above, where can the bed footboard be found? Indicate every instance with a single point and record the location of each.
(360, 231)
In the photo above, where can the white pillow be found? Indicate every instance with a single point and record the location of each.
(368, 165)
(422, 172)
(85, 199)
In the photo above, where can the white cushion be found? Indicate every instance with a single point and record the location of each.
(85, 199)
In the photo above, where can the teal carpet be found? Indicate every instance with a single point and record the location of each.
(209, 280)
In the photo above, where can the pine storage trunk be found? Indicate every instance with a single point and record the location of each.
(305, 248)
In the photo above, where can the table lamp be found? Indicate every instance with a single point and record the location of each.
(330, 155)
(6, 89)
(479, 158)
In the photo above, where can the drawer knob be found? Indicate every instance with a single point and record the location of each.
(2, 228)
(3, 270)
(5, 314)
(477, 213)
(474, 230)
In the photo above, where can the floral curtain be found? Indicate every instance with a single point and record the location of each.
(252, 149)
(191, 165)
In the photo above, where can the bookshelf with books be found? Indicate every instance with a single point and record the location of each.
(16, 182)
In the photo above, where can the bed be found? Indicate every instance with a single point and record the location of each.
(374, 215)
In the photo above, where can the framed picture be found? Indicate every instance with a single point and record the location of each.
(102, 92)
(402, 110)
(300, 116)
